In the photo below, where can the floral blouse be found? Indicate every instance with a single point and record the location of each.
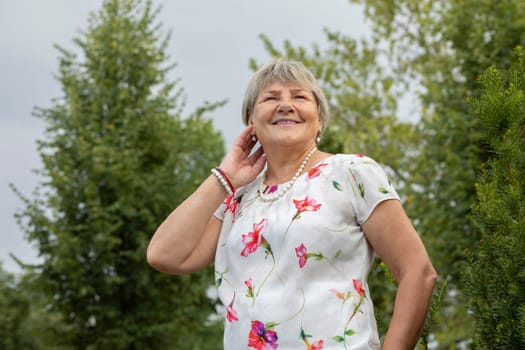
(292, 273)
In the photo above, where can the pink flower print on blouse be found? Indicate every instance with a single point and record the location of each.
(249, 286)
(316, 171)
(272, 189)
(231, 204)
(358, 286)
(318, 345)
(303, 255)
(231, 314)
(306, 204)
(262, 337)
(255, 239)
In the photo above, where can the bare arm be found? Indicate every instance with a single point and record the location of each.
(394, 238)
(186, 241)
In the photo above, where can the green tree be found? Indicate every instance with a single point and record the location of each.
(495, 276)
(443, 47)
(15, 305)
(117, 158)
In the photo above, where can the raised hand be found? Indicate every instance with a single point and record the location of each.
(240, 164)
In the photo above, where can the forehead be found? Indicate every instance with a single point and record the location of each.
(277, 86)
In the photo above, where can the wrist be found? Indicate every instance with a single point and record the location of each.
(224, 180)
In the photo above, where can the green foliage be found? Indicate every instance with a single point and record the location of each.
(15, 332)
(433, 315)
(496, 271)
(117, 158)
(443, 47)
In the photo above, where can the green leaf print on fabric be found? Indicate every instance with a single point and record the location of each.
(337, 185)
(383, 190)
(360, 187)
(338, 339)
(221, 277)
(316, 345)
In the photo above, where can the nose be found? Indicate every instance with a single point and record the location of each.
(285, 107)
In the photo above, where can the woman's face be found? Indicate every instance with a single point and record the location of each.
(285, 114)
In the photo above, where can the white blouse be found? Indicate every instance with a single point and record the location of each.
(292, 273)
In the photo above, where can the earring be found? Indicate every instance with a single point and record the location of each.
(254, 138)
(318, 138)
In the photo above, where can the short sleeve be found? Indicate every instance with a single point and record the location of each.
(370, 185)
(220, 211)
(229, 205)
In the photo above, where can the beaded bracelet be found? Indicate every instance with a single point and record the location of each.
(224, 180)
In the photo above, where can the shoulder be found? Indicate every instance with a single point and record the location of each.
(350, 161)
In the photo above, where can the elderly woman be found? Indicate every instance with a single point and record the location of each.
(293, 230)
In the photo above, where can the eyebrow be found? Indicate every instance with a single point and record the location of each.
(276, 92)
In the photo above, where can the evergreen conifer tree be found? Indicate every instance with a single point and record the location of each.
(495, 277)
(117, 158)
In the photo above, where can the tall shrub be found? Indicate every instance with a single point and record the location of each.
(495, 277)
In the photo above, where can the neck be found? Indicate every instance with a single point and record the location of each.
(284, 164)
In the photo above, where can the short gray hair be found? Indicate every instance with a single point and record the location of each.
(287, 72)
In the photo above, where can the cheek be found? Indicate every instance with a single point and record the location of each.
(259, 114)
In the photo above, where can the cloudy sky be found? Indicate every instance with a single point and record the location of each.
(212, 42)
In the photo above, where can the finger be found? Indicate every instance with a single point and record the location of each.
(244, 137)
(248, 147)
(247, 132)
(259, 164)
(256, 155)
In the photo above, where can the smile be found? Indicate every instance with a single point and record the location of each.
(285, 122)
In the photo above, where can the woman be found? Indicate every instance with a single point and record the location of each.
(293, 231)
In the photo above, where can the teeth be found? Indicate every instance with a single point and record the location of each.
(284, 122)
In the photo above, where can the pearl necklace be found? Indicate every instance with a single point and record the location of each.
(286, 186)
